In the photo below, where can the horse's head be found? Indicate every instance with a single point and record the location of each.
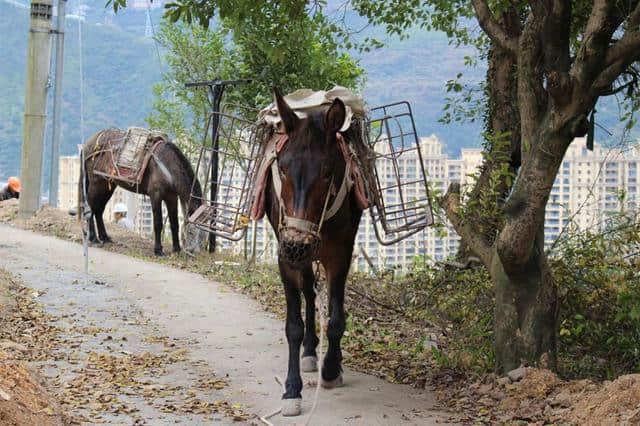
(311, 169)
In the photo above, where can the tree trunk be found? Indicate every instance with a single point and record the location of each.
(502, 121)
(525, 312)
(526, 296)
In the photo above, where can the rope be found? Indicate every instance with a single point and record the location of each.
(321, 313)
(153, 33)
(320, 309)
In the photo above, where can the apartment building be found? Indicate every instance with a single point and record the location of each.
(591, 186)
(434, 243)
(431, 243)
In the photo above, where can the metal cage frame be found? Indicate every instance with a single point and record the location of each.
(238, 154)
(394, 222)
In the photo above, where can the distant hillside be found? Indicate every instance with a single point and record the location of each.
(119, 70)
(416, 70)
(121, 65)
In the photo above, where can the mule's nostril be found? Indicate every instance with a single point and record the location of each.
(300, 250)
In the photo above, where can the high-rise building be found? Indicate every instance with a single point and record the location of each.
(589, 188)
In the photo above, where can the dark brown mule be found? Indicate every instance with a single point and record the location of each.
(309, 165)
(168, 177)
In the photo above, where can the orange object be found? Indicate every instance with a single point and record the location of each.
(14, 184)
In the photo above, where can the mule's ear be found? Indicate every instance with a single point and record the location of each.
(336, 115)
(287, 115)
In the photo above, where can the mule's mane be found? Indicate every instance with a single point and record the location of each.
(187, 170)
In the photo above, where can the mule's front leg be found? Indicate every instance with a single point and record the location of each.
(294, 328)
(309, 360)
(332, 364)
(172, 211)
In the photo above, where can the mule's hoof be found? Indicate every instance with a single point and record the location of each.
(309, 364)
(159, 253)
(330, 384)
(291, 407)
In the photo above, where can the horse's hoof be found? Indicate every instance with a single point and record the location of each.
(291, 407)
(309, 364)
(107, 240)
(330, 384)
(159, 253)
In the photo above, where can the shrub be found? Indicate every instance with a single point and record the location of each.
(599, 289)
(599, 300)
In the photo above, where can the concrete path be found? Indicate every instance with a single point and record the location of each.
(227, 330)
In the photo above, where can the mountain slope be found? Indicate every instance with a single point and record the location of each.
(119, 69)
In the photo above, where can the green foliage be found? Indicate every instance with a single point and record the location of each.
(192, 53)
(290, 52)
(460, 302)
(599, 305)
(296, 54)
(599, 288)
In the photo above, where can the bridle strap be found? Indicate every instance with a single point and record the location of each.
(305, 225)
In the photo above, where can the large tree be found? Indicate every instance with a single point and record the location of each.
(549, 63)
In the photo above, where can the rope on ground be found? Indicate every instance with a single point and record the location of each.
(321, 314)
(320, 309)
(265, 419)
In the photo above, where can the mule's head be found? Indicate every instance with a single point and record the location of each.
(311, 168)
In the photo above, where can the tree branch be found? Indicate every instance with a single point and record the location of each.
(628, 45)
(531, 93)
(476, 242)
(601, 25)
(492, 28)
(609, 75)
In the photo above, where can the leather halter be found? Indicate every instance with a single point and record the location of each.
(327, 213)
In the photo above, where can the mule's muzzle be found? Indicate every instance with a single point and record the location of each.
(297, 247)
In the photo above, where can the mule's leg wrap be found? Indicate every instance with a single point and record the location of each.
(291, 407)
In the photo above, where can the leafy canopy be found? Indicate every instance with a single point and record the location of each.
(296, 54)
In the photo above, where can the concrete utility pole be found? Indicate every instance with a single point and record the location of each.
(57, 105)
(35, 105)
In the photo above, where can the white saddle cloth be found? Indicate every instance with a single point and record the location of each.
(304, 99)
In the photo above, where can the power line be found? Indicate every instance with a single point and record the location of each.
(80, 19)
(151, 27)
